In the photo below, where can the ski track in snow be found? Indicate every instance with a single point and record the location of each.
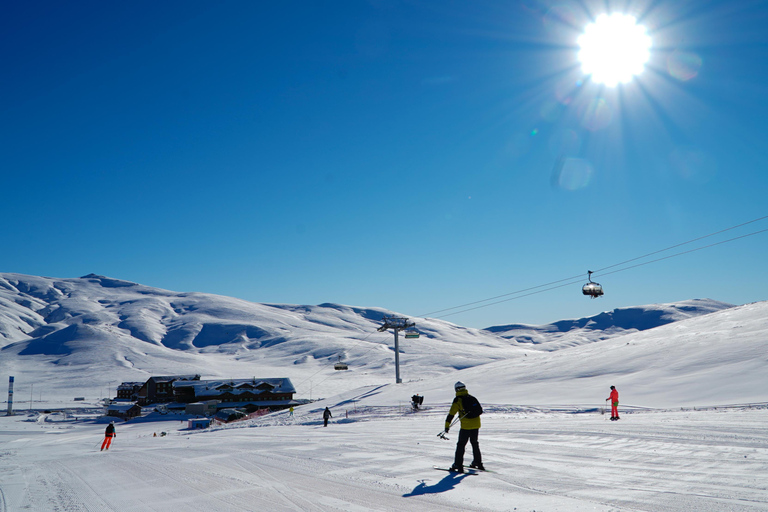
(381, 460)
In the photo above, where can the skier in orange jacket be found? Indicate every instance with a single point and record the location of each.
(109, 433)
(614, 398)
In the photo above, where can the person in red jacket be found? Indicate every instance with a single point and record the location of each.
(614, 398)
(109, 433)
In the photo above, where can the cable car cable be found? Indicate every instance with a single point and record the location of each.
(500, 296)
(324, 367)
(685, 252)
(681, 244)
(570, 279)
(571, 283)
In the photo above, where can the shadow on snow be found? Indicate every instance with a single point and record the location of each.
(446, 484)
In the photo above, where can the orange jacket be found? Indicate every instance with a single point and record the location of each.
(614, 398)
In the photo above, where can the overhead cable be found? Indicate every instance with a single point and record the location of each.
(570, 280)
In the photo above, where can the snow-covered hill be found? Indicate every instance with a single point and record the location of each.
(90, 333)
(117, 330)
(609, 324)
(720, 358)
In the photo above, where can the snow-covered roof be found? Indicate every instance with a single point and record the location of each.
(174, 378)
(235, 386)
(130, 385)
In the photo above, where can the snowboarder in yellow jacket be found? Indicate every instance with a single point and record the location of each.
(469, 411)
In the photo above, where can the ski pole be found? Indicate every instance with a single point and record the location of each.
(442, 435)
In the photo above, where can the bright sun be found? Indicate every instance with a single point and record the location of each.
(614, 48)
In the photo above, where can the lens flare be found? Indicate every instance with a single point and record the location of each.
(573, 174)
(565, 143)
(596, 115)
(683, 65)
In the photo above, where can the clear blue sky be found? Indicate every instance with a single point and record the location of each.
(402, 154)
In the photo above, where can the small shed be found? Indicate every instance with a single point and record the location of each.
(124, 411)
(197, 423)
(227, 415)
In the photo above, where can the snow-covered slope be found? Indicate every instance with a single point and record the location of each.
(721, 358)
(117, 330)
(77, 336)
(609, 324)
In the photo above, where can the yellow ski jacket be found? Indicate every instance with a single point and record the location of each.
(457, 407)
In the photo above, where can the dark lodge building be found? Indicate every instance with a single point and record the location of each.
(129, 391)
(261, 393)
(124, 411)
(159, 390)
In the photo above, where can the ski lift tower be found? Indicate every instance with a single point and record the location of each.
(396, 324)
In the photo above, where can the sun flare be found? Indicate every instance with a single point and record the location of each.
(614, 49)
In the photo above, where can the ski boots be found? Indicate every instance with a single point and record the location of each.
(476, 465)
(456, 469)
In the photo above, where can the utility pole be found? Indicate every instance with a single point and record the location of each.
(397, 324)
(10, 396)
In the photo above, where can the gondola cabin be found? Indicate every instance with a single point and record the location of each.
(592, 289)
(340, 365)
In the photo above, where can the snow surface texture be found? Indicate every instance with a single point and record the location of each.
(380, 459)
(543, 433)
(116, 331)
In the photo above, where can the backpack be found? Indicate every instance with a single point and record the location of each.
(471, 406)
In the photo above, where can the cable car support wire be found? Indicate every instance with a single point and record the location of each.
(570, 281)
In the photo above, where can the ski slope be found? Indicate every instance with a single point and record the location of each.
(693, 392)
(380, 459)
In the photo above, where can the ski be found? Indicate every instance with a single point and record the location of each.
(467, 471)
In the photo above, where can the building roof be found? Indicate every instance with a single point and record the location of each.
(237, 386)
(121, 407)
(173, 378)
(130, 385)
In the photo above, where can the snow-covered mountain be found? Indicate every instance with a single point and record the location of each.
(94, 332)
(609, 324)
(119, 330)
(715, 359)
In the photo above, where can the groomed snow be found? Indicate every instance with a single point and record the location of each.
(380, 459)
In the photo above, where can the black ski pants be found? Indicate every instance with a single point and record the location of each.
(464, 436)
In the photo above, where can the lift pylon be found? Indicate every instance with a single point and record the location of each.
(397, 324)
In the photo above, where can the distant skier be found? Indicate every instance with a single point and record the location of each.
(326, 416)
(290, 412)
(109, 433)
(614, 398)
(469, 411)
